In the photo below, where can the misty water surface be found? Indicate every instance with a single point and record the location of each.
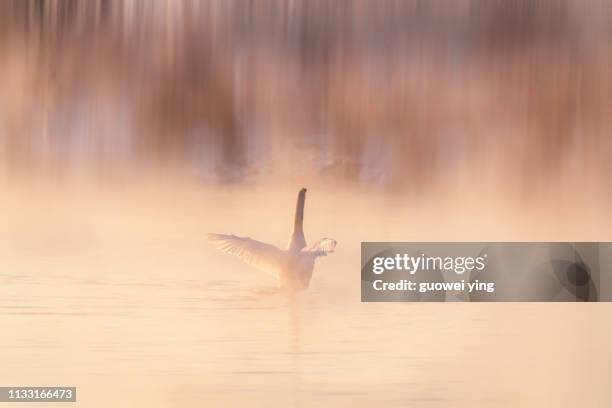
(115, 290)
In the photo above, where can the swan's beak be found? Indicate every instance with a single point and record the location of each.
(303, 191)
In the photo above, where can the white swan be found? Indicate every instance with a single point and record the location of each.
(293, 267)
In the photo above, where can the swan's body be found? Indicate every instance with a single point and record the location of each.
(293, 267)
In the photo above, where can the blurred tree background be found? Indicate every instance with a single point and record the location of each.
(404, 93)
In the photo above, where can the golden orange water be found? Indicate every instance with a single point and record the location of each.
(113, 289)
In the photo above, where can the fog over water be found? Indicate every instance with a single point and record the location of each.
(117, 287)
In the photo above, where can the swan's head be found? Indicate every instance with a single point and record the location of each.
(303, 191)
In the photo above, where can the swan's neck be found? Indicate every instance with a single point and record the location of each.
(298, 224)
(297, 238)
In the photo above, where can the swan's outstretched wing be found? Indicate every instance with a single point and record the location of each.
(323, 247)
(266, 257)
